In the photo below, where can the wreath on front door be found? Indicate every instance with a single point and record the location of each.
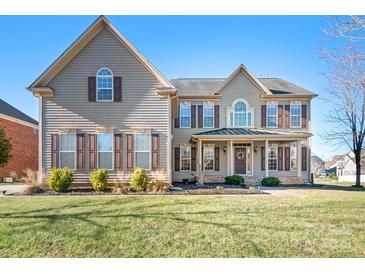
(239, 155)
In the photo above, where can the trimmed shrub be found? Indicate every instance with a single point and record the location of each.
(235, 180)
(158, 186)
(99, 179)
(270, 181)
(60, 179)
(139, 180)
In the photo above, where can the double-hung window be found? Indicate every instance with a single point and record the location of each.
(143, 150)
(293, 156)
(208, 157)
(185, 115)
(240, 115)
(295, 115)
(105, 150)
(208, 115)
(104, 85)
(272, 157)
(68, 150)
(185, 158)
(272, 115)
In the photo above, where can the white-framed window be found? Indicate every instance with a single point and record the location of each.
(293, 156)
(295, 115)
(185, 115)
(208, 157)
(67, 150)
(105, 147)
(185, 158)
(241, 115)
(272, 115)
(273, 157)
(104, 85)
(142, 151)
(208, 115)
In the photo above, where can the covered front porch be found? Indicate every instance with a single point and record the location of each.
(255, 154)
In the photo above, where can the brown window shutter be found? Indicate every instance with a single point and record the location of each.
(193, 159)
(200, 116)
(216, 158)
(280, 116)
(118, 151)
(304, 158)
(216, 116)
(304, 116)
(80, 144)
(287, 158)
(193, 116)
(177, 158)
(280, 158)
(262, 158)
(92, 151)
(54, 150)
(92, 89)
(177, 119)
(130, 161)
(287, 116)
(117, 89)
(155, 151)
(263, 115)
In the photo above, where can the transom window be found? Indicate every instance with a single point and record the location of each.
(185, 115)
(272, 115)
(208, 115)
(143, 150)
(185, 158)
(240, 116)
(105, 150)
(68, 150)
(208, 157)
(293, 156)
(272, 157)
(104, 85)
(295, 115)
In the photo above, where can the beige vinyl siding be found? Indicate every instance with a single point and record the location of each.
(140, 106)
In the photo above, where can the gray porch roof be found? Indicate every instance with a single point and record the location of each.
(237, 131)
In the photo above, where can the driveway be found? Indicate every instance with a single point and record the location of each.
(12, 188)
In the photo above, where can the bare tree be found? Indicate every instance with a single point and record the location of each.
(201, 170)
(346, 76)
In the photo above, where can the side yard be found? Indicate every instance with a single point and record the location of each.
(311, 223)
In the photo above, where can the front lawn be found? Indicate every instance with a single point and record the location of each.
(307, 223)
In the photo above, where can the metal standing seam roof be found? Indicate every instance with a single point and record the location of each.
(205, 86)
(11, 111)
(238, 131)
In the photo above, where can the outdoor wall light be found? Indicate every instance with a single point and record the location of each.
(255, 149)
(225, 149)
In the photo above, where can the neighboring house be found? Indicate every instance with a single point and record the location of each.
(23, 131)
(317, 165)
(347, 164)
(103, 105)
(331, 165)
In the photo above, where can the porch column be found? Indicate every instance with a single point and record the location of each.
(266, 158)
(199, 157)
(231, 157)
(299, 159)
(228, 158)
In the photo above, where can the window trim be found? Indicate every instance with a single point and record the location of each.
(213, 147)
(276, 116)
(208, 104)
(59, 148)
(189, 107)
(276, 153)
(150, 151)
(184, 146)
(97, 150)
(97, 76)
(300, 114)
(248, 110)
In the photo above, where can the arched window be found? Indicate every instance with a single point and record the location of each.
(241, 115)
(104, 85)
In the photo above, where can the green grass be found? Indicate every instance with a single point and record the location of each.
(308, 223)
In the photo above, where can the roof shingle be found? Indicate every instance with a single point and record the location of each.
(11, 111)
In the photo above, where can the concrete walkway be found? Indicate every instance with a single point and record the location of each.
(12, 188)
(281, 192)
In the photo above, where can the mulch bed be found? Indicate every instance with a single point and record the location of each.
(187, 189)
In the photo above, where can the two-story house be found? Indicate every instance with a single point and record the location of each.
(104, 105)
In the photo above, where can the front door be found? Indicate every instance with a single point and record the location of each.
(240, 160)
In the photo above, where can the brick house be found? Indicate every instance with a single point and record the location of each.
(23, 131)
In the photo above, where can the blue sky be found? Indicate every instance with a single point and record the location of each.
(180, 46)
